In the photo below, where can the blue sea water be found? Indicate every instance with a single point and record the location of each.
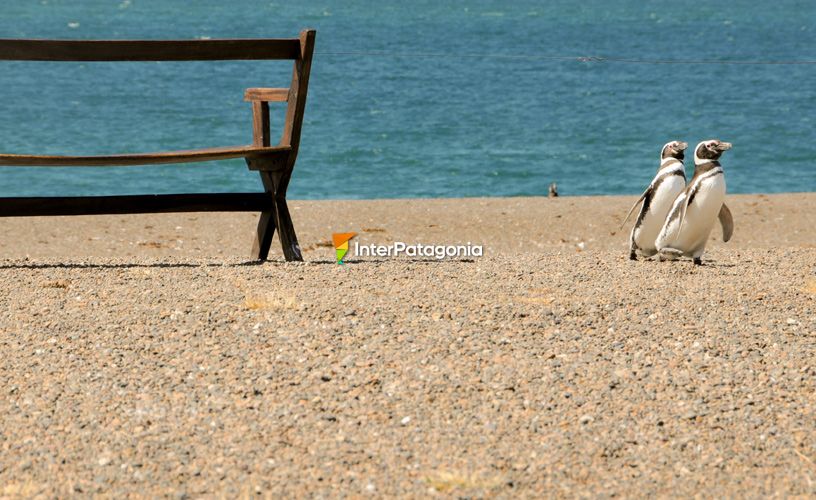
(398, 108)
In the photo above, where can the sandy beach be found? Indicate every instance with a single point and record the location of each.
(145, 356)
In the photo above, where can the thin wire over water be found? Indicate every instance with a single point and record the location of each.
(544, 57)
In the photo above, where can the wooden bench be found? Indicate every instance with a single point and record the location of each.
(273, 163)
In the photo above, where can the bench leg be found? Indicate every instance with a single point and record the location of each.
(263, 238)
(286, 231)
(278, 217)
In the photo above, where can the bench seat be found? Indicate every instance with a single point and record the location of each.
(187, 156)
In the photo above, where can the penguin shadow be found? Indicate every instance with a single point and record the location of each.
(715, 264)
(706, 263)
(686, 263)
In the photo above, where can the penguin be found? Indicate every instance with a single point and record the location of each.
(657, 200)
(686, 229)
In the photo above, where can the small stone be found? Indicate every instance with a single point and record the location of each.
(103, 461)
(586, 419)
(792, 321)
(405, 420)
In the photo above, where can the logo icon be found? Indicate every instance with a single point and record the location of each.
(341, 244)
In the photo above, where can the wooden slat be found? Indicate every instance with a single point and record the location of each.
(136, 204)
(268, 95)
(187, 156)
(297, 106)
(260, 124)
(296, 109)
(148, 50)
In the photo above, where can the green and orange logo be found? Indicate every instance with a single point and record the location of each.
(341, 244)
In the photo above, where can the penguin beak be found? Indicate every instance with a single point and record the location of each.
(681, 146)
(724, 146)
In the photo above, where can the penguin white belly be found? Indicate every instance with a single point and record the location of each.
(646, 233)
(700, 217)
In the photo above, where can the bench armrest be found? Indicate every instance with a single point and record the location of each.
(266, 95)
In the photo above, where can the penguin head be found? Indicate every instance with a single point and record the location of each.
(710, 150)
(674, 149)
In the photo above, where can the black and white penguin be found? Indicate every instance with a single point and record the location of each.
(692, 216)
(657, 200)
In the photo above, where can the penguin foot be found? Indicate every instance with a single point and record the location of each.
(698, 261)
(632, 255)
(669, 254)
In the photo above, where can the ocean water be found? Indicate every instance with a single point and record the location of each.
(425, 98)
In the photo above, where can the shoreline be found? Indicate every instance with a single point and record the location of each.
(525, 196)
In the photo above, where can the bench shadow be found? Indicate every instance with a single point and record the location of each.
(124, 265)
(182, 265)
(384, 261)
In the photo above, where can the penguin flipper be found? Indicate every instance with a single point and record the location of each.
(642, 197)
(683, 212)
(727, 222)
